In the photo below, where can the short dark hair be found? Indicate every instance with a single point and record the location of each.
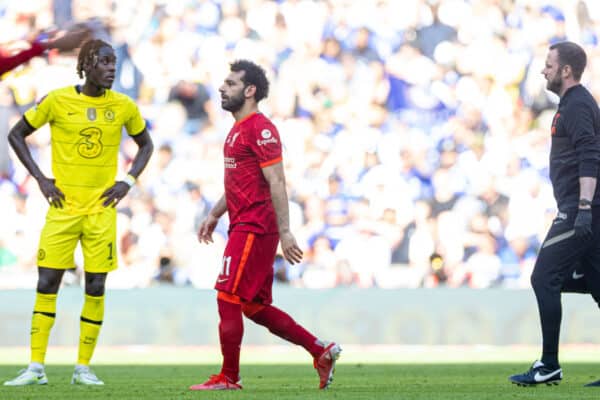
(572, 54)
(88, 51)
(253, 75)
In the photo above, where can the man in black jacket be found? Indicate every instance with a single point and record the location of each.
(571, 250)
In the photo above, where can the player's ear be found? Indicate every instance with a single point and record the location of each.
(249, 91)
(86, 68)
(90, 63)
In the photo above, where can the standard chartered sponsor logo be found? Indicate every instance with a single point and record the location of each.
(230, 162)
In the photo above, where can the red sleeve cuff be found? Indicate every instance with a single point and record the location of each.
(271, 162)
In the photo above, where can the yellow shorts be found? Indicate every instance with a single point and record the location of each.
(62, 231)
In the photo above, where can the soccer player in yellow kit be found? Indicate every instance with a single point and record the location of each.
(85, 125)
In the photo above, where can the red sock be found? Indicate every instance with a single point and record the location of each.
(231, 330)
(282, 325)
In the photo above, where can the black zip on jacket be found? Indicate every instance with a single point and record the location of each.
(575, 150)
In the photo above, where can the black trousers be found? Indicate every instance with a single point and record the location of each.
(565, 263)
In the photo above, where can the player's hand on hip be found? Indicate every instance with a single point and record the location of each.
(289, 247)
(53, 194)
(113, 195)
(583, 223)
(207, 227)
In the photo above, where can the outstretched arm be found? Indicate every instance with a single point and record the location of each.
(276, 178)
(11, 62)
(68, 41)
(116, 192)
(16, 138)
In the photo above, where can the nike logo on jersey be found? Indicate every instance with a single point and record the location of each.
(222, 280)
(577, 276)
(541, 378)
(71, 113)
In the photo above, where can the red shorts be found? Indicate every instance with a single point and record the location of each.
(247, 270)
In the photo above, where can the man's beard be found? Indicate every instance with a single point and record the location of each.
(555, 84)
(233, 104)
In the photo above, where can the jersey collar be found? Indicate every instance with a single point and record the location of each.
(246, 118)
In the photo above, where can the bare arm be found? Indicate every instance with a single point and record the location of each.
(145, 148)
(116, 192)
(16, 138)
(276, 178)
(219, 208)
(68, 41)
(587, 188)
(208, 226)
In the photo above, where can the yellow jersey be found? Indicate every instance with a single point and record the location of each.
(85, 137)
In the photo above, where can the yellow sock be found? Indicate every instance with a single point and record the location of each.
(44, 312)
(90, 323)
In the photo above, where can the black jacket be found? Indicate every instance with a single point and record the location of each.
(575, 148)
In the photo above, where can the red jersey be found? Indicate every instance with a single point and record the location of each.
(252, 144)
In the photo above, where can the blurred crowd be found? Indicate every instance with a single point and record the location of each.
(415, 132)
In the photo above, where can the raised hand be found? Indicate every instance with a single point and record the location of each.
(71, 39)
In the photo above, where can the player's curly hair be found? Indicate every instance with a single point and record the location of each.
(89, 54)
(253, 75)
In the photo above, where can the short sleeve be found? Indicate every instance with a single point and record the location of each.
(134, 124)
(266, 143)
(41, 112)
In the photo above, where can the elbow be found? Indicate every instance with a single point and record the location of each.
(149, 148)
(13, 138)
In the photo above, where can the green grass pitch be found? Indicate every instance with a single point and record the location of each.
(285, 372)
(297, 381)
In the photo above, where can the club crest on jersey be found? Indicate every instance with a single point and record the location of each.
(91, 114)
(109, 115)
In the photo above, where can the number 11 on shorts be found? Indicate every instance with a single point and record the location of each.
(226, 265)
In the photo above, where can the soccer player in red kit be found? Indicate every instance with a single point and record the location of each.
(256, 200)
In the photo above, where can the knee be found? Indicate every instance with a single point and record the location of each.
(537, 279)
(48, 283)
(533, 279)
(94, 285)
